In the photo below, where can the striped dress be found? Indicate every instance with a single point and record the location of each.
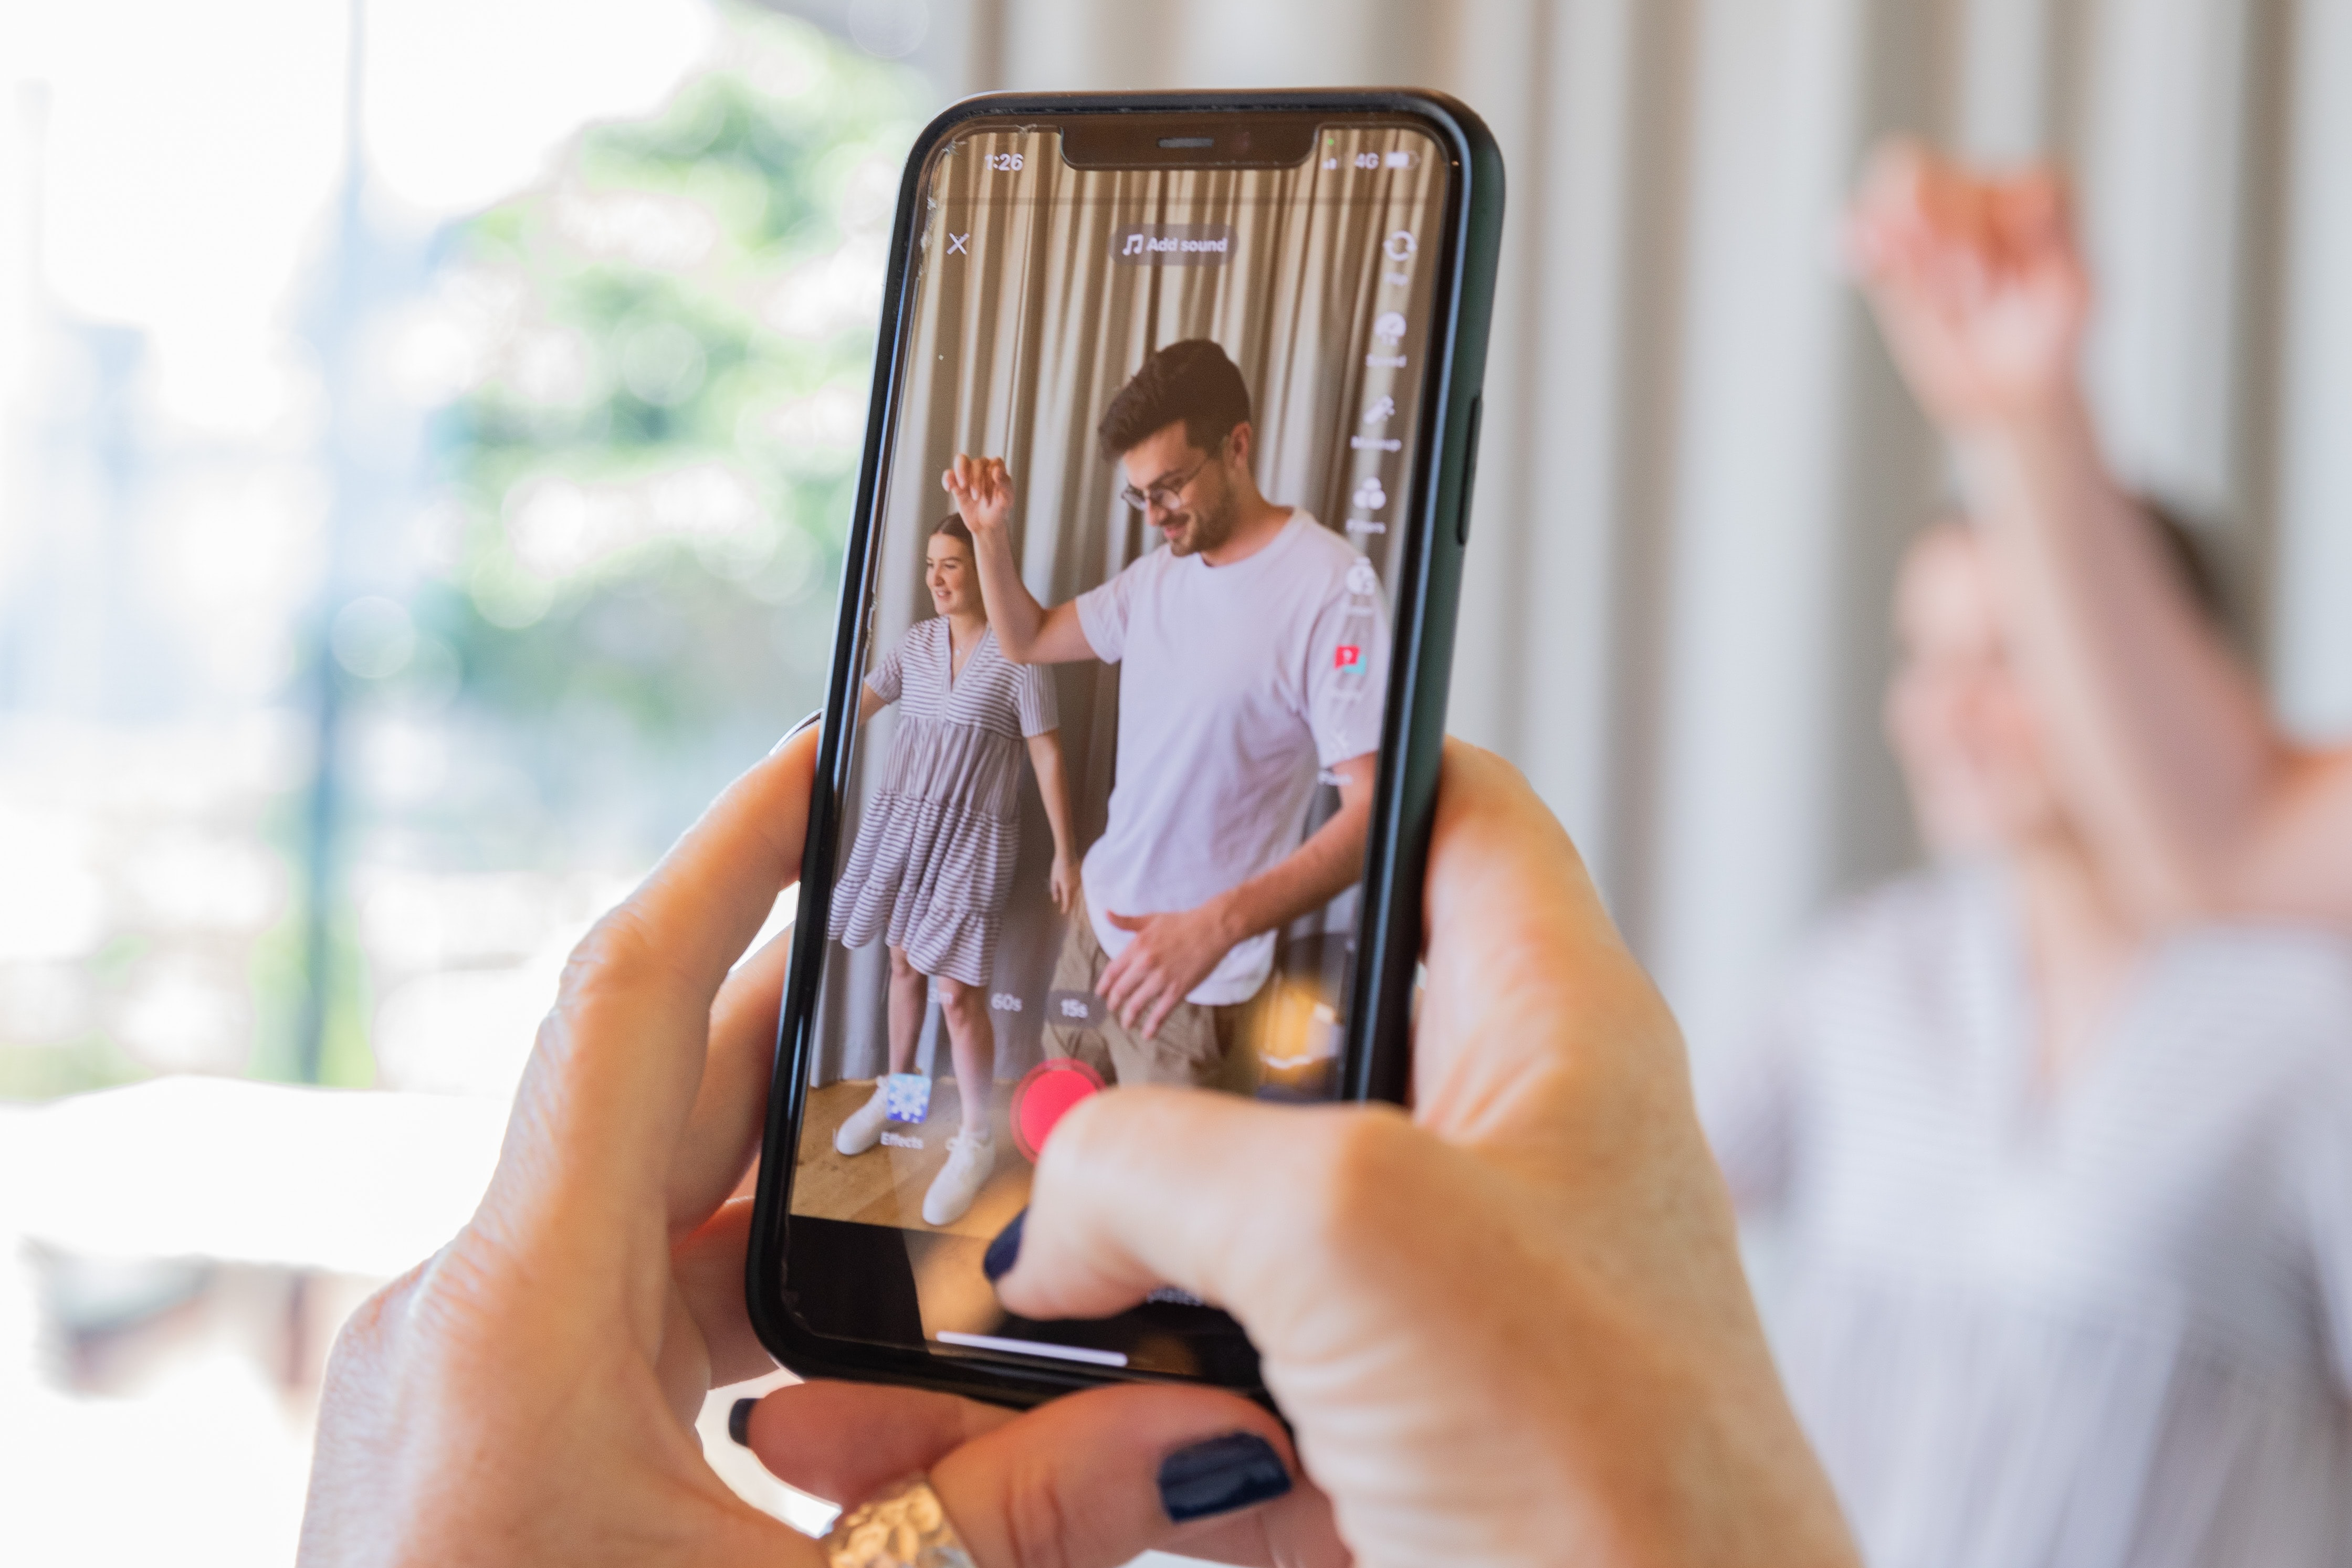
(2102, 1325)
(933, 860)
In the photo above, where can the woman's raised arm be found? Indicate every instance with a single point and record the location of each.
(2194, 800)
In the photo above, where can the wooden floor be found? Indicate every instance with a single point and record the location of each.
(884, 1185)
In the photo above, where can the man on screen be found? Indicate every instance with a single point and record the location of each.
(1253, 654)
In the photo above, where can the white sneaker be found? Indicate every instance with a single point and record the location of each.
(863, 1128)
(972, 1158)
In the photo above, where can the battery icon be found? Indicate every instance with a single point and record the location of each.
(1398, 161)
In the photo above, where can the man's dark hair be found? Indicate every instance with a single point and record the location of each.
(952, 525)
(1191, 381)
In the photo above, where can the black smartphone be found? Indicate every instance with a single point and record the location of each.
(1132, 739)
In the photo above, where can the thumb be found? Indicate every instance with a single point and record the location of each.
(1126, 922)
(1122, 1203)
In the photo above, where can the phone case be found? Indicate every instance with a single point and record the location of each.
(1377, 1056)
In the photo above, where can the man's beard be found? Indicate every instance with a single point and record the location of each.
(1209, 527)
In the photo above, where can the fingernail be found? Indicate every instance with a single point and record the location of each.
(1237, 1470)
(739, 1422)
(1005, 1251)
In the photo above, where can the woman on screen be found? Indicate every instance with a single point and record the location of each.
(933, 862)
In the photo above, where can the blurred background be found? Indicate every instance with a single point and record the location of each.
(426, 439)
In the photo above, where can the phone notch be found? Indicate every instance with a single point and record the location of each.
(1182, 140)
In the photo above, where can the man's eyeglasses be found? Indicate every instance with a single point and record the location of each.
(1164, 493)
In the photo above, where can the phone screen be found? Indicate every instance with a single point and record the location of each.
(1122, 696)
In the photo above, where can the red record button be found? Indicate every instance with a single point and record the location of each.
(1045, 1096)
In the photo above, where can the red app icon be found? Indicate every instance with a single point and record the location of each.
(1347, 656)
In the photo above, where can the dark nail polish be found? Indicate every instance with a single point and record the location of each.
(739, 1422)
(1005, 1251)
(1234, 1471)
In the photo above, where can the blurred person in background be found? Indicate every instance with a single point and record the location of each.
(2065, 1197)
(2189, 796)
(932, 865)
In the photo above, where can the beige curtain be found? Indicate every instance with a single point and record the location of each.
(1023, 331)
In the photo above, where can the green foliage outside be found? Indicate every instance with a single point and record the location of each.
(627, 577)
(654, 478)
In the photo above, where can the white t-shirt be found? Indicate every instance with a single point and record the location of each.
(1238, 683)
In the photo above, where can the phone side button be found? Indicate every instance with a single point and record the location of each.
(1469, 469)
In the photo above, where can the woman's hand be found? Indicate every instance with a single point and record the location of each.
(526, 1396)
(1063, 882)
(1977, 285)
(1509, 1329)
(982, 492)
(1512, 1331)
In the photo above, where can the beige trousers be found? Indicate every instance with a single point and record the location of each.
(1196, 1047)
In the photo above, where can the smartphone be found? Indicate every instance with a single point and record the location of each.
(1131, 745)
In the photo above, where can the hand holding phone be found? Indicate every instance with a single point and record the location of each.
(1496, 1329)
(1509, 1331)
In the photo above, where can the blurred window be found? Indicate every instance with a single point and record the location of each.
(414, 503)
(382, 588)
